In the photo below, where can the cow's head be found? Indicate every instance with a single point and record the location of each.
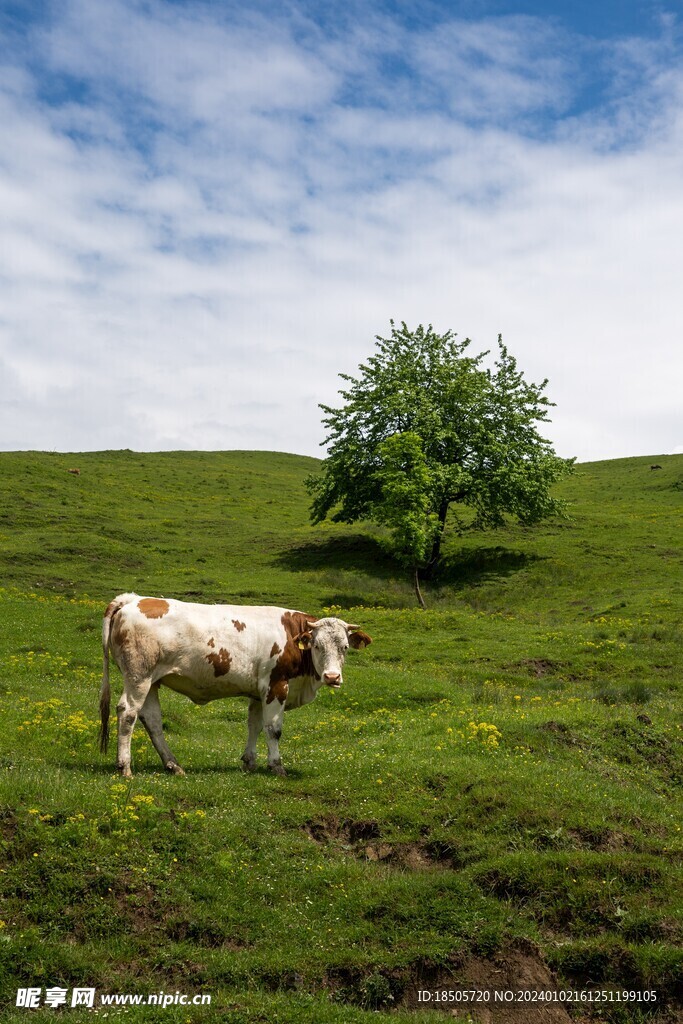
(328, 641)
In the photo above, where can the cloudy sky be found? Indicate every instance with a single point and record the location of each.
(209, 210)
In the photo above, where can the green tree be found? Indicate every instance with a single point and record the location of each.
(406, 483)
(425, 426)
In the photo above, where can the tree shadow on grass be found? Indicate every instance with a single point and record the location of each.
(95, 768)
(149, 770)
(362, 553)
(472, 566)
(355, 551)
(260, 771)
(336, 559)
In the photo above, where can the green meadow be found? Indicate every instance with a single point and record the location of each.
(493, 798)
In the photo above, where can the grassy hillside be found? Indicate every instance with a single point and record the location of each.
(495, 794)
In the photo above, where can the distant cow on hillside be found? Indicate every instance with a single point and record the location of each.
(277, 658)
(655, 467)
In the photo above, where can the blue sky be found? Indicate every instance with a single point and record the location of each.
(210, 209)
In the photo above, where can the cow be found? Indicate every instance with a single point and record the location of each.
(276, 657)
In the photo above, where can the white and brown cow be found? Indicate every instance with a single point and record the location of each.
(277, 658)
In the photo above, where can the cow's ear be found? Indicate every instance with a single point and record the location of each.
(359, 639)
(304, 641)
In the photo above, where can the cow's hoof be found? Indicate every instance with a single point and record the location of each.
(277, 769)
(174, 768)
(126, 773)
(248, 764)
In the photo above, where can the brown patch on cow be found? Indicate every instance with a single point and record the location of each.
(277, 690)
(239, 626)
(153, 607)
(275, 649)
(293, 662)
(113, 607)
(212, 642)
(119, 635)
(136, 651)
(221, 662)
(297, 622)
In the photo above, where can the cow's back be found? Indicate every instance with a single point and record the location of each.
(223, 649)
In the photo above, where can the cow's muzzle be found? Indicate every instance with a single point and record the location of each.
(332, 679)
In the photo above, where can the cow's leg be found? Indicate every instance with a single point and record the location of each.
(255, 725)
(128, 709)
(273, 713)
(150, 716)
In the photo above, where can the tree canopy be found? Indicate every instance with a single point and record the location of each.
(425, 426)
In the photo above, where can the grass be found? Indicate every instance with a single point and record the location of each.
(501, 773)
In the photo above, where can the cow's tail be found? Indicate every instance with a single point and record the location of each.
(105, 692)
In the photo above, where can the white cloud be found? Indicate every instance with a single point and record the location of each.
(231, 210)
(496, 68)
(189, 66)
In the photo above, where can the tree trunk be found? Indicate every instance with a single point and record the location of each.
(436, 546)
(418, 592)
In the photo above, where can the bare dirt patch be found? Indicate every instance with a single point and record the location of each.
(538, 667)
(605, 840)
(363, 839)
(203, 933)
(414, 856)
(9, 825)
(640, 744)
(139, 906)
(341, 831)
(561, 732)
(517, 971)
